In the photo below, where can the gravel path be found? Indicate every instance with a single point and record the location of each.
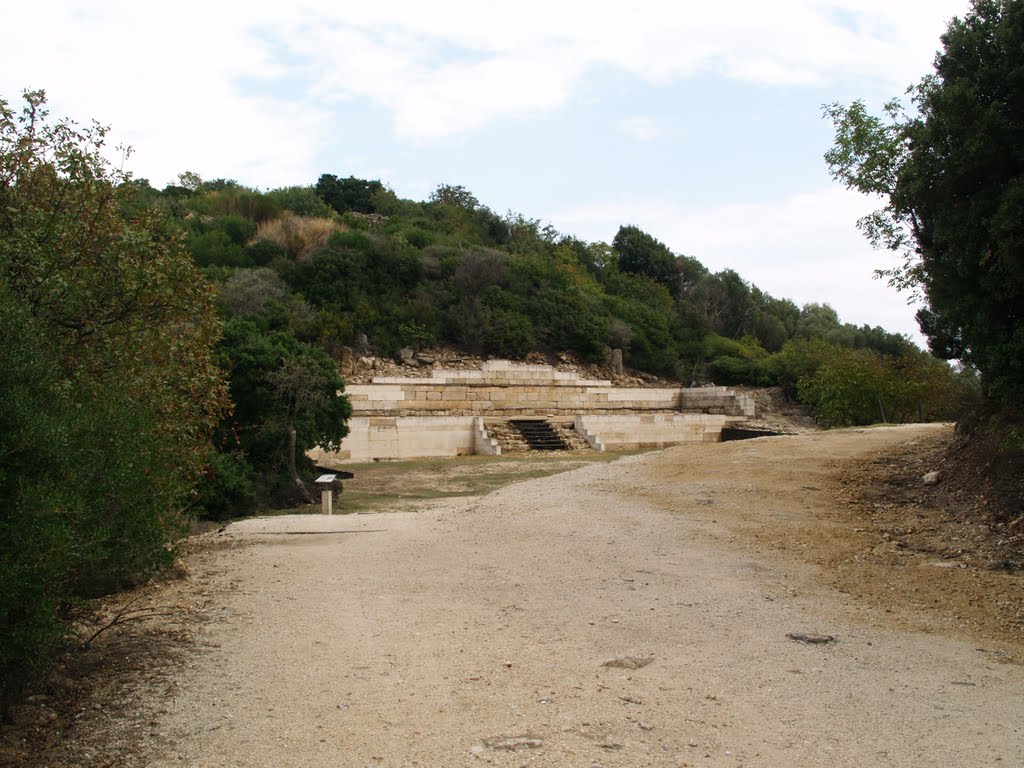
(634, 614)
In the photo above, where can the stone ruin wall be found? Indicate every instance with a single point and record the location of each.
(446, 414)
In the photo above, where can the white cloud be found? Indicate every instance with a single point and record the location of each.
(168, 79)
(642, 128)
(448, 67)
(179, 79)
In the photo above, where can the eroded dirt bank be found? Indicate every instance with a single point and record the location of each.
(632, 614)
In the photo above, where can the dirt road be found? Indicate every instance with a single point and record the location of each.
(641, 613)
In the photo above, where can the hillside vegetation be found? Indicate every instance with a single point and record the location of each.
(346, 261)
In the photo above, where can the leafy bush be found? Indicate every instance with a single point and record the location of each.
(263, 252)
(798, 360)
(249, 291)
(228, 487)
(508, 334)
(216, 248)
(738, 370)
(302, 201)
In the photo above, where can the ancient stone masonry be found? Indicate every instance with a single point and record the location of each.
(449, 412)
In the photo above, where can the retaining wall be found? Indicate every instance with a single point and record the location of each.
(445, 414)
(404, 437)
(501, 388)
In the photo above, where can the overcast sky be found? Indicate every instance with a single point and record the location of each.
(698, 122)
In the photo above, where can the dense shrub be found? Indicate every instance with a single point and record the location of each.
(228, 487)
(107, 383)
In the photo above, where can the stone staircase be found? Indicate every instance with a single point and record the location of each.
(508, 437)
(539, 435)
(573, 440)
(512, 440)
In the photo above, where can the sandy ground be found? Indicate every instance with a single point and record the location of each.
(630, 614)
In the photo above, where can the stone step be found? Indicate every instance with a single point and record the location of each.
(507, 437)
(539, 435)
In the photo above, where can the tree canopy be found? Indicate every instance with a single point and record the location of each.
(952, 176)
(641, 254)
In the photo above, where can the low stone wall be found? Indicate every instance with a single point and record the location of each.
(404, 437)
(654, 430)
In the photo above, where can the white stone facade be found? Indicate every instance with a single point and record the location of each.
(446, 414)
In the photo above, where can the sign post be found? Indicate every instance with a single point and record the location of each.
(326, 483)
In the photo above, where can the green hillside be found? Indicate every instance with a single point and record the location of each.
(346, 258)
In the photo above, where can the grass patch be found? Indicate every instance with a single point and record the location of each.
(387, 486)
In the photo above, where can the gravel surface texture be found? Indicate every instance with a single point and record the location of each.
(662, 610)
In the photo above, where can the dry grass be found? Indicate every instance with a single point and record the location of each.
(298, 235)
(398, 485)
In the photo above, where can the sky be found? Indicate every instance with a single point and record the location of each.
(701, 123)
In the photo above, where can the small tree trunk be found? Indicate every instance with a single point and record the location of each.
(292, 471)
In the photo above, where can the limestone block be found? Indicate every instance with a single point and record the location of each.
(362, 389)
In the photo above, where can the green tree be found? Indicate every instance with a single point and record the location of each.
(349, 194)
(302, 201)
(724, 303)
(641, 254)
(455, 195)
(108, 390)
(849, 387)
(106, 277)
(774, 320)
(952, 178)
(308, 390)
(288, 399)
